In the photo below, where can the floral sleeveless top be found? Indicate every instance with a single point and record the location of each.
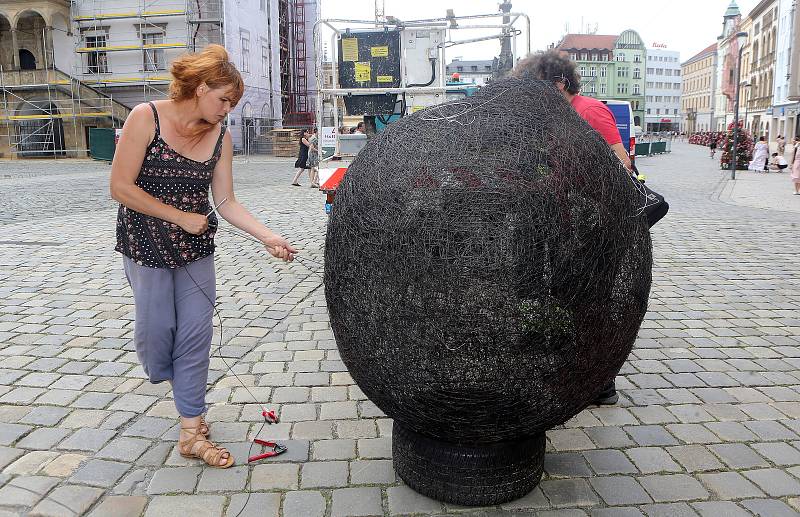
(177, 181)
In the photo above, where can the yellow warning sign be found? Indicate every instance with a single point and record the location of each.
(379, 51)
(363, 72)
(349, 49)
(415, 109)
(385, 79)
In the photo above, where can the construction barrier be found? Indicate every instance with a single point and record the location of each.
(102, 143)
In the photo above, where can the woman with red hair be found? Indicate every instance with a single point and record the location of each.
(169, 154)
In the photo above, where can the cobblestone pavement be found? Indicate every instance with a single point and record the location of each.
(708, 423)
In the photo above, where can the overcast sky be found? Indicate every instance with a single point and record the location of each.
(687, 26)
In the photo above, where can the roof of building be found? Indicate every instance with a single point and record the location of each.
(733, 9)
(481, 64)
(588, 41)
(711, 49)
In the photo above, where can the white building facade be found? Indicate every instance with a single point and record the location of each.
(663, 99)
(785, 112)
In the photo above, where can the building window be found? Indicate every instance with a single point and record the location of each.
(651, 71)
(474, 68)
(582, 70)
(637, 73)
(152, 58)
(636, 89)
(244, 37)
(96, 62)
(264, 58)
(648, 111)
(573, 56)
(649, 84)
(622, 71)
(584, 56)
(674, 111)
(602, 71)
(622, 88)
(637, 58)
(658, 111)
(595, 56)
(620, 56)
(592, 71)
(603, 88)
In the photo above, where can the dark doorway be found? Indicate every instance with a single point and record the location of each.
(27, 61)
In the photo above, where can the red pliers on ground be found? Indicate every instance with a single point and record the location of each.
(276, 450)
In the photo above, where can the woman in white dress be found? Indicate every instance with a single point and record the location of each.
(761, 156)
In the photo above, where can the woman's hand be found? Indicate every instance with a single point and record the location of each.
(279, 247)
(193, 223)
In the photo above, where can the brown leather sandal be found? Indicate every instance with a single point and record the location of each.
(203, 427)
(207, 450)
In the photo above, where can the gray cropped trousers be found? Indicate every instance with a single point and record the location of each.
(174, 327)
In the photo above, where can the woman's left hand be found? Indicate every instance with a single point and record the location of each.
(279, 247)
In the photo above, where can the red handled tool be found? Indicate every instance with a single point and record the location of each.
(276, 450)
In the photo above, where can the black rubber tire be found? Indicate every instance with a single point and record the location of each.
(468, 475)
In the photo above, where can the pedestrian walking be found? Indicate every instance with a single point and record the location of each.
(169, 154)
(713, 147)
(760, 155)
(781, 145)
(302, 157)
(796, 166)
(313, 158)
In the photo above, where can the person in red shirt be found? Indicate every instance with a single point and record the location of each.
(551, 65)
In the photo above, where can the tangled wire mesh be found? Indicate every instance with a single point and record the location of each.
(487, 265)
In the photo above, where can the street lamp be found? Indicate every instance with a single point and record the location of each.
(746, 102)
(741, 38)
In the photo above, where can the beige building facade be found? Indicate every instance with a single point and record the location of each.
(697, 95)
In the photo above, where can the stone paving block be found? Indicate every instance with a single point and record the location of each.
(44, 438)
(650, 460)
(282, 476)
(319, 474)
(609, 461)
(8, 455)
(729, 485)
(372, 448)
(695, 458)
(769, 508)
(173, 480)
(731, 431)
(353, 502)
(778, 452)
(124, 449)
(568, 492)
(673, 487)
(738, 455)
(45, 416)
(770, 430)
(100, 473)
(535, 499)
(196, 506)
(650, 435)
(26, 490)
(338, 410)
(774, 482)
(149, 427)
(692, 433)
(617, 511)
(67, 498)
(87, 440)
(567, 464)
(669, 510)
(569, 440)
(334, 449)
(304, 504)
(30, 463)
(719, 508)
(371, 472)
(232, 479)
(22, 396)
(254, 505)
(620, 490)
(10, 433)
(120, 506)
(608, 437)
(356, 429)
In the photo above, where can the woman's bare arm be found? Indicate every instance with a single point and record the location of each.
(238, 215)
(136, 136)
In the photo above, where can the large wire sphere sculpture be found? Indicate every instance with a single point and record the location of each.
(487, 265)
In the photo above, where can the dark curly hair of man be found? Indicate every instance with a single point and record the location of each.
(550, 65)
